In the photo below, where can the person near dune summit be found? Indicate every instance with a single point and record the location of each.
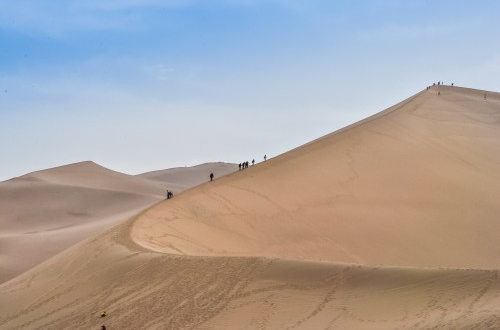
(211, 176)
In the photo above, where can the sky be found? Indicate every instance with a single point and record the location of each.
(143, 85)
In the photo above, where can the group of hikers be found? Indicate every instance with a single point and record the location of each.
(244, 165)
(439, 83)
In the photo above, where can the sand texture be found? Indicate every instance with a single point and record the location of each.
(390, 223)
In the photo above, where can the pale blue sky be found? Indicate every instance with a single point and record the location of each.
(145, 85)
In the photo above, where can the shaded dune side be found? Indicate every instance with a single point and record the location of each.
(415, 185)
(148, 290)
(50, 219)
(45, 212)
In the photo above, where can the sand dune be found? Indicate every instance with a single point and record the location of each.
(415, 185)
(390, 223)
(45, 212)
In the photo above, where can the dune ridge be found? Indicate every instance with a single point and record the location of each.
(386, 224)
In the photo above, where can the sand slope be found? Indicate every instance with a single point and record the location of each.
(140, 289)
(387, 224)
(415, 185)
(45, 212)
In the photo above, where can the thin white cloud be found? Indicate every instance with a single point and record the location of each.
(159, 71)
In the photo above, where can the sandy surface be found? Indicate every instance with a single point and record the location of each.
(390, 223)
(45, 212)
(416, 185)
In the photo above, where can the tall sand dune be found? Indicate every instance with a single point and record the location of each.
(390, 223)
(415, 185)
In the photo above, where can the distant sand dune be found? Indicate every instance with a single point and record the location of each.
(390, 223)
(45, 212)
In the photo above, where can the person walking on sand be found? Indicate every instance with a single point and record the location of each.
(211, 176)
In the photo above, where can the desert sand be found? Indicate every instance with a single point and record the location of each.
(390, 223)
(45, 212)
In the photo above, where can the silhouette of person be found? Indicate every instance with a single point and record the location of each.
(265, 157)
(211, 176)
(239, 167)
(253, 162)
(485, 96)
